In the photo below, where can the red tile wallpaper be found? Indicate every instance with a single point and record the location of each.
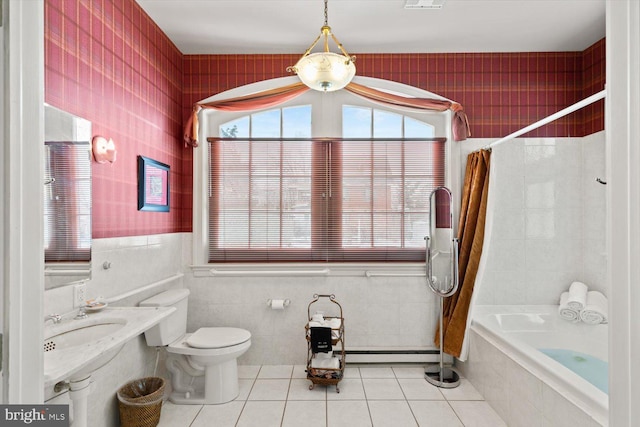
(107, 61)
(500, 92)
(593, 80)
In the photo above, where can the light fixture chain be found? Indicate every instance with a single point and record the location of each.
(325, 71)
(326, 14)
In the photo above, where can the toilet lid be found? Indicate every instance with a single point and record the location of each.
(217, 337)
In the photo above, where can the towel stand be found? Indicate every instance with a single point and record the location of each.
(442, 283)
(328, 375)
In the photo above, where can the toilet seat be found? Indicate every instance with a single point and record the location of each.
(241, 341)
(217, 337)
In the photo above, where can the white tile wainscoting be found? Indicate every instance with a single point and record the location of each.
(518, 396)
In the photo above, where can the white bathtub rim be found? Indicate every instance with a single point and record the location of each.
(578, 391)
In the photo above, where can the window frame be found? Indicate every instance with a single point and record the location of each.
(325, 182)
(322, 106)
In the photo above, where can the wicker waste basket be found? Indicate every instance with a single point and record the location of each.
(140, 402)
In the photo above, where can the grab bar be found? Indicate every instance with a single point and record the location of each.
(429, 268)
(323, 272)
(143, 289)
(56, 272)
(374, 274)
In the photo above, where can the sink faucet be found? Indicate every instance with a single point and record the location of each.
(55, 318)
(82, 314)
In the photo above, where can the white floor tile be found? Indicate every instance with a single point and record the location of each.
(224, 415)
(177, 415)
(263, 414)
(244, 389)
(434, 413)
(477, 414)
(307, 414)
(419, 389)
(377, 373)
(398, 396)
(332, 389)
(299, 390)
(299, 371)
(391, 413)
(350, 389)
(465, 391)
(351, 372)
(269, 390)
(351, 413)
(408, 371)
(248, 371)
(275, 371)
(382, 389)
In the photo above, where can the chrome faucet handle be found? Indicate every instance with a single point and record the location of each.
(55, 318)
(82, 314)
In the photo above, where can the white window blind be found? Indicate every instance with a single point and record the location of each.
(67, 202)
(317, 199)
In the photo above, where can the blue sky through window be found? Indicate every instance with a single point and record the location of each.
(361, 122)
(296, 122)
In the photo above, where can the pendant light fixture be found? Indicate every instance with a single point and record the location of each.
(325, 71)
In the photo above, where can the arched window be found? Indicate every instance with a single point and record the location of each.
(282, 189)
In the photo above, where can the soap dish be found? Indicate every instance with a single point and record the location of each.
(95, 306)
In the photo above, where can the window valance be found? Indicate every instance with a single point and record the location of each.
(269, 98)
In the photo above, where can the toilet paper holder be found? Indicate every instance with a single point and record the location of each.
(275, 303)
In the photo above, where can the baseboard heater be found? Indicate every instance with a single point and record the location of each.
(394, 355)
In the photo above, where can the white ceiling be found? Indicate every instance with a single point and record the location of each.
(379, 26)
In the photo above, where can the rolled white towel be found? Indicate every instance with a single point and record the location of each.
(577, 296)
(596, 310)
(327, 355)
(330, 363)
(335, 327)
(565, 311)
(335, 323)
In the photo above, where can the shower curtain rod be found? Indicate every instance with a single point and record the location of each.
(570, 109)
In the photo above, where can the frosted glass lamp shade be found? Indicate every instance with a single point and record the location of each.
(325, 71)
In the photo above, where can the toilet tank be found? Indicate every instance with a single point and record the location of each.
(173, 326)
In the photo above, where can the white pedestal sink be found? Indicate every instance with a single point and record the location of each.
(83, 333)
(80, 332)
(74, 349)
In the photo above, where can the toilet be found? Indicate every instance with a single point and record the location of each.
(203, 364)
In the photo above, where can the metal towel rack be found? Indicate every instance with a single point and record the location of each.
(374, 274)
(322, 272)
(136, 291)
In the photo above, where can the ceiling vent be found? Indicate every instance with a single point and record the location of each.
(423, 4)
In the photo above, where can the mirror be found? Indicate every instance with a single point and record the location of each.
(67, 198)
(442, 247)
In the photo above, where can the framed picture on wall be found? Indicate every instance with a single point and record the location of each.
(153, 185)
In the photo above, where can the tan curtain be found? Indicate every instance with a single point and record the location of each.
(269, 98)
(255, 101)
(459, 124)
(473, 211)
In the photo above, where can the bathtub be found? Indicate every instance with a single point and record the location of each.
(522, 333)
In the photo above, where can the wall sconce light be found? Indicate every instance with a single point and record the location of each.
(103, 150)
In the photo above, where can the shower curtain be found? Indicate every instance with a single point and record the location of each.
(471, 227)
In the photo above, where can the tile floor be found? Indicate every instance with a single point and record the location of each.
(383, 396)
